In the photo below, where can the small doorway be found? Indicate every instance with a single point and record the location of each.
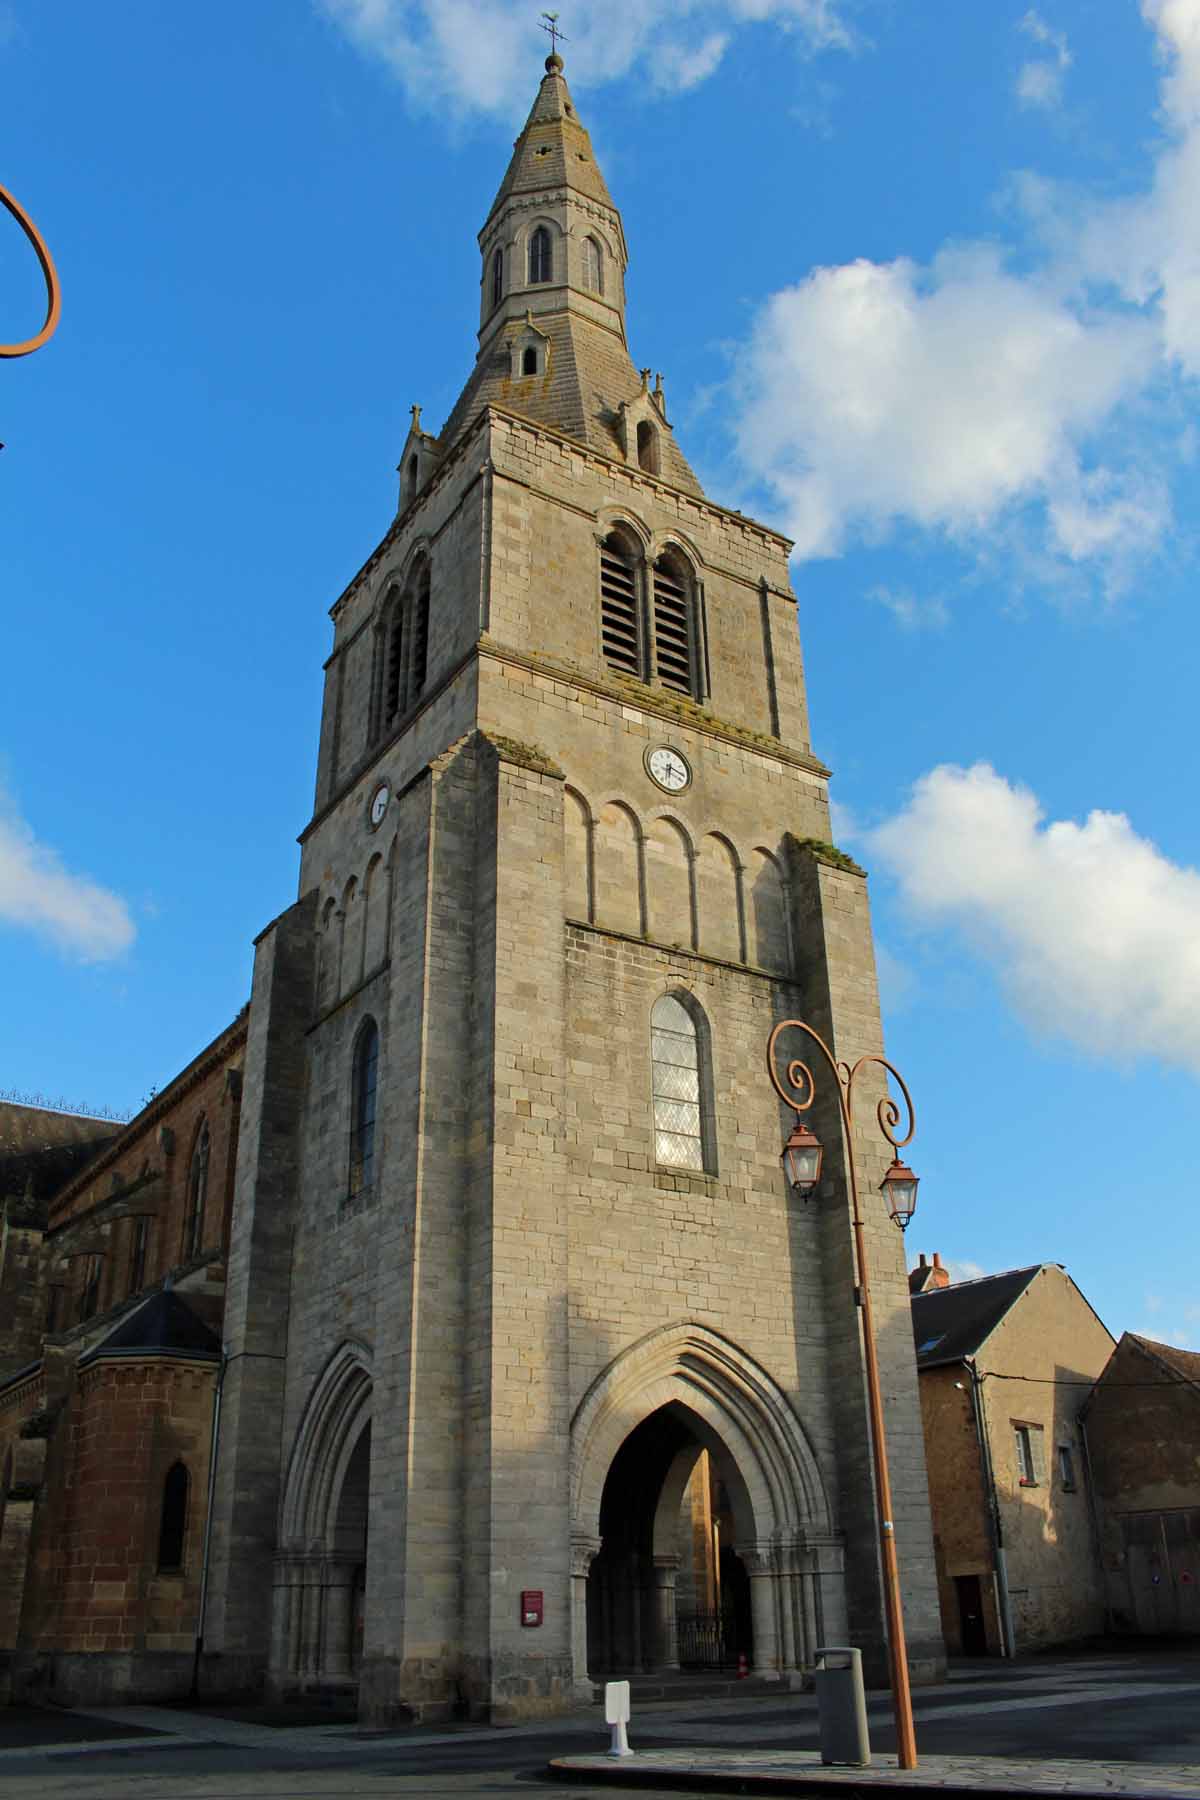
(971, 1628)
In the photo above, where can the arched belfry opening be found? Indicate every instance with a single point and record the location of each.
(321, 1567)
(669, 1588)
(700, 1527)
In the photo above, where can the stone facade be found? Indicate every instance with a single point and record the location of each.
(509, 1258)
(1142, 1425)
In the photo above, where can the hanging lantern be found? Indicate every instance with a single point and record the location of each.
(899, 1189)
(801, 1158)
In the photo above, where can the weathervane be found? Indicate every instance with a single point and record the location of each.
(49, 273)
(551, 26)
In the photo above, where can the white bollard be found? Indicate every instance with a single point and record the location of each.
(616, 1714)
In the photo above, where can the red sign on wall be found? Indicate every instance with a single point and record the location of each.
(532, 1606)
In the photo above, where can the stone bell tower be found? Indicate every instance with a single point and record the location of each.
(518, 1292)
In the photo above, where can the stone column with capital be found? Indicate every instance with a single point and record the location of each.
(764, 1584)
(583, 1553)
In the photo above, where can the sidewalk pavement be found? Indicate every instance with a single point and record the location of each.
(781, 1772)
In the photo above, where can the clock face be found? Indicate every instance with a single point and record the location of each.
(669, 768)
(379, 804)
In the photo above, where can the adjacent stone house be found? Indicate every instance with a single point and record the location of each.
(1142, 1429)
(1005, 1363)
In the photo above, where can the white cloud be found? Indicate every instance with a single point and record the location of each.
(914, 612)
(38, 894)
(1093, 932)
(1040, 80)
(1013, 396)
(962, 1269)
(481, 55)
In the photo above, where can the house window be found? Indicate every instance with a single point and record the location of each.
(173, 1520)
(529, 361)
(497, 277)
(540, 264)
(362, 1108)
(193, 1231)
(678, 1087)
(139, 1238)
(1029, 1454)
(1066, 1467)
(593, 266)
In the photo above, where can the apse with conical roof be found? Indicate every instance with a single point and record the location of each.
(552, 342)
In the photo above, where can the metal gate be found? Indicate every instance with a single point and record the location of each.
(706, 1640)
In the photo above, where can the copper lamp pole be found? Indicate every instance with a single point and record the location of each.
(49, 275)
(900, 1187)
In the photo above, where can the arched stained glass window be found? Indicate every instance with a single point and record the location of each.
(193, 1232)
(678, 1086)
(540, 261)
(362, 1108)
(173, 1523)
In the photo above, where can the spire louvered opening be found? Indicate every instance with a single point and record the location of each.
(394, 676)
(674, 626)
(620, 622)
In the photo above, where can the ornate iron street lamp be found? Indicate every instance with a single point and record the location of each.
(801, 1157)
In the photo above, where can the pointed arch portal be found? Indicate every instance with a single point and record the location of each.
(320, 1578)
(700, 1523)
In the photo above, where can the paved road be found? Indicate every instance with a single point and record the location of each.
(1120, 1706)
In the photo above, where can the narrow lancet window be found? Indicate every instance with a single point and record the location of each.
(497, 277)
(193, 1231)
(362, 1109)
(173, 1521)
(593, 266)
(539, 256)
(678, 1093)
(529, 362)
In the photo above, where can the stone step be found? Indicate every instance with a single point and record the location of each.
(717, 1685)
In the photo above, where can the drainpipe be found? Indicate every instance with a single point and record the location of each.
(208, 1522)
(1007, 1634)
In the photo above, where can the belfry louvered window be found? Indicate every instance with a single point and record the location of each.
(363, 1084)
(403, 649)
(620, 606)
(675, 658)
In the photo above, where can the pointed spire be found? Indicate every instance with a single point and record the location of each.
(554, 149)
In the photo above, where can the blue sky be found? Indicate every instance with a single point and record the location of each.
(923, 284)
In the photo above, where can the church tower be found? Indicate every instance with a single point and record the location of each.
(536, 1370)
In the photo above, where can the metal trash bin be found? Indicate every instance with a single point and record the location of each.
(841, 1707)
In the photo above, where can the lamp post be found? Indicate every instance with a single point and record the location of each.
(801, 1159)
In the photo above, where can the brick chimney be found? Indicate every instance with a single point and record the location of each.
(927, 1276)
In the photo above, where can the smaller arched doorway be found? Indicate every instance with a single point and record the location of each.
(321, 1566)
(668, 1588)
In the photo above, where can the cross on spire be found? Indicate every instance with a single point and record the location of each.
(550, 26)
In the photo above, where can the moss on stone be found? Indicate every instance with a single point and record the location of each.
(829, 854)
(526, 756)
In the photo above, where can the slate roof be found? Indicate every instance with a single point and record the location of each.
(952, 1322)
(43, 1149)
(163, 1325)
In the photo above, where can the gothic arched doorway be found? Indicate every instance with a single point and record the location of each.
(321, 1567)
(685, 1425)
(668, 1588)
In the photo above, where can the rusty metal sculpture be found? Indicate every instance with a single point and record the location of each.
(799, 1079)
(49, 272)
